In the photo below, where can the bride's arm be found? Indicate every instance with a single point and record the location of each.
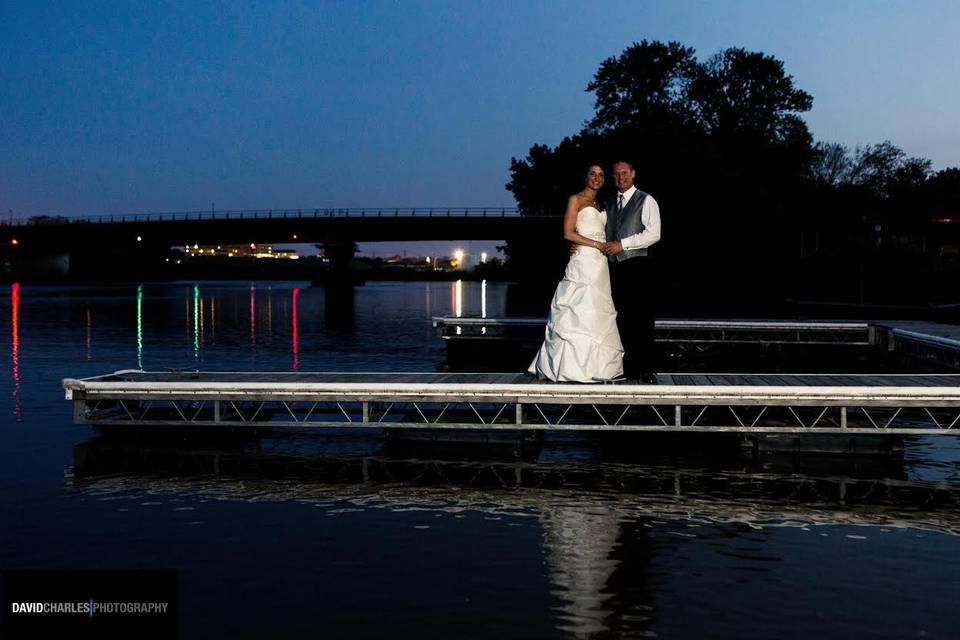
(570, 226)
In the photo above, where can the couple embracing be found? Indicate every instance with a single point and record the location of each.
(601, 324)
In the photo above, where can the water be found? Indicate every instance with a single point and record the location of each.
(340, 534)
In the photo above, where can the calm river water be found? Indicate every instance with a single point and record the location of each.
(337, 534)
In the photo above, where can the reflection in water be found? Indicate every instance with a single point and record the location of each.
(483, 298)
(89, 323)
(213, 318)
(458, 296)
(202, 322)
(269, 311)
(196, 322)
(338, 307)
(296, 345)
(579, 541)
(139, 327)
(207, 311)
(15, 346)
(597, 520)
(253, 316)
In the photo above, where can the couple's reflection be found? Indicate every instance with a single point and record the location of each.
(597, 518)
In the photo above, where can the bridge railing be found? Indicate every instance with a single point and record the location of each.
(262, 214)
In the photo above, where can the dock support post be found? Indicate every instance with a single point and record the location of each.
(216, 411)
(366, 412)
(843, 417)
(519, 413)
(79, 411)
(676, 416)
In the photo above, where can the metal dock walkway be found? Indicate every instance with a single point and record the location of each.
(744, 403)
(680, 331)
(929, 342)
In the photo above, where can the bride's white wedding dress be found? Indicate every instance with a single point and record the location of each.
(582, 343)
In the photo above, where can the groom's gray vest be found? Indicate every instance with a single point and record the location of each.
(627, 223)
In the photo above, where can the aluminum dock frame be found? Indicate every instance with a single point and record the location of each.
(683, 403)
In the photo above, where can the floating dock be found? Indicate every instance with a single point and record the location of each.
(891, 404)
(931, 343)
(668, 330)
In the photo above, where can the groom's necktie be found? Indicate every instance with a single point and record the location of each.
(620, 203)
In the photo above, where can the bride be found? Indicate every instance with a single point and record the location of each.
(582, 343)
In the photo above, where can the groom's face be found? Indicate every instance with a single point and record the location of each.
(623, 176)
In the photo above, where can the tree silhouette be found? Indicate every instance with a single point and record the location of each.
(738, 94)
(646, 85)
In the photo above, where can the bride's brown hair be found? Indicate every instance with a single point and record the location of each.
(601, 205)
(586, 171)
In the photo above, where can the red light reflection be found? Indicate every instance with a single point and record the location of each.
(296, 341)
(15, 346)
(253, 316)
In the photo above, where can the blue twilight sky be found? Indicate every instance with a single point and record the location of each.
(112, 107)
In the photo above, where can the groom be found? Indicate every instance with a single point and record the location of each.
(633, 225)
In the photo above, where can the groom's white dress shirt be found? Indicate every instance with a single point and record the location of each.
(649, 216)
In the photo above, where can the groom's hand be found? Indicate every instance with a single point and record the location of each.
(613, 248)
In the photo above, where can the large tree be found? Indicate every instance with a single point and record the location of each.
(656, 101)
(714, 141)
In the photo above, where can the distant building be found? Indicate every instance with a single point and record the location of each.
(251, 250)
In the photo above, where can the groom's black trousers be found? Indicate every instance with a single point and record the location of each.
(633, 285)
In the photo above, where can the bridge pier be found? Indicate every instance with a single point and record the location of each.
(339, 269)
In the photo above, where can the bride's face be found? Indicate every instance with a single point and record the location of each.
(594, 177)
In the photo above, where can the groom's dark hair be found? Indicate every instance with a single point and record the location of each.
(626, 162)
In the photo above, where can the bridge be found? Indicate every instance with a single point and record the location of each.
(58, 245)
(369, 224)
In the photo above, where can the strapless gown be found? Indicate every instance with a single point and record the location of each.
(582, 343)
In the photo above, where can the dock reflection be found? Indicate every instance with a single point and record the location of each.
(597, 518)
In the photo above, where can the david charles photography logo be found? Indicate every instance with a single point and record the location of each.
(89, 608)
(110, 603)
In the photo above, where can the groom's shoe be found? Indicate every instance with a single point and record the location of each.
(648, 377)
